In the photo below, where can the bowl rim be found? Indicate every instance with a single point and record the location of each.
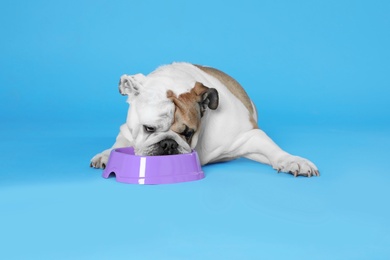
(123, 149)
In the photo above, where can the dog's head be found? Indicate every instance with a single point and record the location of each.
(161, 122)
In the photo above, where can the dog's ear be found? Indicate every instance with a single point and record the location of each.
(130, 85)
(207, 97)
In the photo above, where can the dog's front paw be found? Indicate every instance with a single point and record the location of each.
(296, 166)
(99, 161)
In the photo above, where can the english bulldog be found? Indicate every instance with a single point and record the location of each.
(182, 106)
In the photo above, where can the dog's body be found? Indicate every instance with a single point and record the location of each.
(180, 107)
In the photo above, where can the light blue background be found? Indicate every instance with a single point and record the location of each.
(318, 72)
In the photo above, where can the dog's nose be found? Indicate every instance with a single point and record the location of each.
(169, 146)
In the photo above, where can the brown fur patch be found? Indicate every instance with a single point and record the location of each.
(187, 112)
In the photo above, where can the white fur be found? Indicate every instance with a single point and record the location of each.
(226, 133)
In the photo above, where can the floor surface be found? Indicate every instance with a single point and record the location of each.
(53, 206)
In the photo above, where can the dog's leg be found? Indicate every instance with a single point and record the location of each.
(123, 139)
(256, 145)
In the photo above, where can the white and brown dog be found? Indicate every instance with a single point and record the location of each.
(180, 107)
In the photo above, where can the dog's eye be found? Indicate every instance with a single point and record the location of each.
(188, 133)
(149, 129)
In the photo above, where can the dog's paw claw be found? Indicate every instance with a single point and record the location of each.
(294, 173)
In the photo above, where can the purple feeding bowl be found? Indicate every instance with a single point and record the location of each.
(130, 168)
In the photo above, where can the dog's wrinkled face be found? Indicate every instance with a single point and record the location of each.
(164, 123)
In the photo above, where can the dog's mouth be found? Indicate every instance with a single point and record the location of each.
(164, 147)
